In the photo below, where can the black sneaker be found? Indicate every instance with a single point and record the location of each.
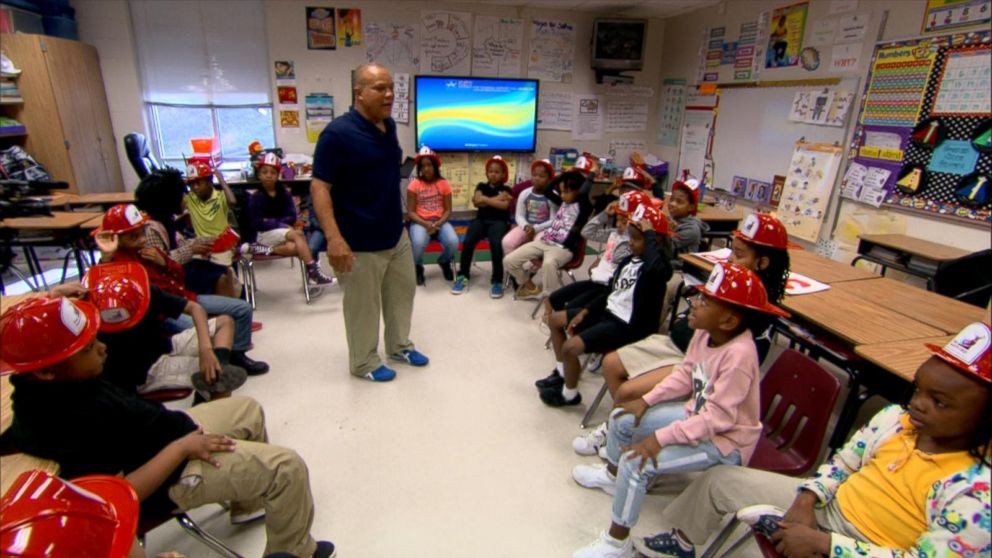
(554, 397)
(252, 367)
(553, 380)
(420, 275)
(449, 274)
(325, 549)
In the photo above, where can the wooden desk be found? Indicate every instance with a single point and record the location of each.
(947, 314)
(93, 223)
(711, 214)
(908, 254)
(102, 198)
(901, 358)
(855, 320)
(805, 263)
(59, 220)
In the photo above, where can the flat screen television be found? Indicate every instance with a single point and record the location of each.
(475, 114)
(618, 44)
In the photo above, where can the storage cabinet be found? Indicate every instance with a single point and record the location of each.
(65, 111)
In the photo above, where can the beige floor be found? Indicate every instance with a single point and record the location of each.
(458, 459)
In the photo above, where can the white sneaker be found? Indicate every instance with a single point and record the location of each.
(590, 443)
(606, 547)
(595, 476)
(602, 453)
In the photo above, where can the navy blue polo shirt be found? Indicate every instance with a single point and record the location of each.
(362, 164)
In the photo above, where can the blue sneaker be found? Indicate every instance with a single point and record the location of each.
(460, 286)
(411, 357)
(381, 374)
(496, 290)
(665, 545)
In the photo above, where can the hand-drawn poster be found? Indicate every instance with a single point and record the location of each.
(620, 150)
(554, 111)
(457, 175)
(785, 35)
(446, 43)
(694, 147)
(320, 28)
(808, 185)
(670, 111)
(349, 27)
(496, 46)
(588, 122)
(626, 116)
(552, 50)
(394, 45)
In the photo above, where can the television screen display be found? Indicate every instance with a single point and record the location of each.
(476, 114)
(618, 44)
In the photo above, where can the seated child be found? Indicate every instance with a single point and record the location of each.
(123, 236)
(535, 207)
(681, 209)
(628, 312)
(914, 481)
(631, 371)
(429, 208)
(276, 221)
(206, 272)
(140, 356)
(65, 411)
(663, 433)
(492, 198)
(556, 245)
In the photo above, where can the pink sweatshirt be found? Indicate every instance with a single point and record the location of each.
(722, 385)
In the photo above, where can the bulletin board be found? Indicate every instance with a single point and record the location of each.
(918, 142)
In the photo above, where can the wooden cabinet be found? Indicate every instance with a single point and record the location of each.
(65, 111)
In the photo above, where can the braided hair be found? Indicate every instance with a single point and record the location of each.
(776, 273)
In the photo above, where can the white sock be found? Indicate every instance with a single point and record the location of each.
(560, 367)
(569, 393)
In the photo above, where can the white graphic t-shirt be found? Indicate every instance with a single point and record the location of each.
(621, 301)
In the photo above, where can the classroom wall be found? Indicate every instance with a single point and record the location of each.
(890, 20)
(107, 25)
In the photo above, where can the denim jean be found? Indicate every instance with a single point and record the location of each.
(446, 235)
(632, 482)
(239, 311)
(317, 242)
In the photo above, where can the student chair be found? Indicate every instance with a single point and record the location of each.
(147, 522)
(968, 278)
(136, 147)
(246, 269)
(749, 516)
(575, 263)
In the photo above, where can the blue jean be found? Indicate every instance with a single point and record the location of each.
(446, 235)
(239, 311)
(632, 482)
(317, 242)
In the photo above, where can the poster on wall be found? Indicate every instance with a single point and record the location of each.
(808, 185)
(496, 46)
(588, 122)
(319, 111)
(948, 14)
(899, 76)
(349, 27)
(965, 83)
(785, 35)
(552, 50)
(694, 145)
(446, 43)
(670, 111)
(394, 45)
(401, 98)
(320, 28)
(554, 111)
(284, 70)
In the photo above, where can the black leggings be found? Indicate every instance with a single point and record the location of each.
(578, 294)
(494, 231)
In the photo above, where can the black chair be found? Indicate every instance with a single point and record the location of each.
(136, 147)
(968, 278)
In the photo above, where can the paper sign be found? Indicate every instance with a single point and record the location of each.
(954, 157)
(876, 177)
(716, 256)
(890, 154)
(845, 58)
(883, 139)
(822, 32)
(800, 284)
(588, 123)
(854, 180)
(840, 6)
(554, 111)
(852, 28)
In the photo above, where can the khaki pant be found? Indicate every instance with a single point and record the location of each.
(176, 369)
(255, 475)
(383, 283)
(699, 510)
(553, 257)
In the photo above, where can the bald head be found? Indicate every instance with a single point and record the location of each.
(373, 92)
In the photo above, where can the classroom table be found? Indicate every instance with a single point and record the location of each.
(66, 229)
(803, 262)
(105, 199)
(901, 358)
(908, 254)
(946, 314)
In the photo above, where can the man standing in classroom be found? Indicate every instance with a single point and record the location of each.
(356, 196)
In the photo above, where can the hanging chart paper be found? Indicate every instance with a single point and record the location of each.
(965, 85)
(670, 111)
(625, 116)
(620, 150)
(898, 80)
(588, 123)
(808, 183)
(552, 50)
(445, 43)
(394, 45)
(695, 141)
(554, 111)
(496, 46)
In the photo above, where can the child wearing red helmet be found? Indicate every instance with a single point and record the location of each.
(662, 433)
(209, 208)
(428, 203)
(492, 220)
(688, 233)
(65, 411)
(535, 206)
(914, 481)
(277, 223)
(627, 312)
(556, 245)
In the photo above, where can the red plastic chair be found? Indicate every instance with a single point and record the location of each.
(797, 397)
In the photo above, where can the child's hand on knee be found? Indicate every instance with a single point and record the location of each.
(197, 445)
(646, 449)
(637, 408)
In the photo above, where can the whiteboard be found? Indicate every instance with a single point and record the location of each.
(754, 137)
